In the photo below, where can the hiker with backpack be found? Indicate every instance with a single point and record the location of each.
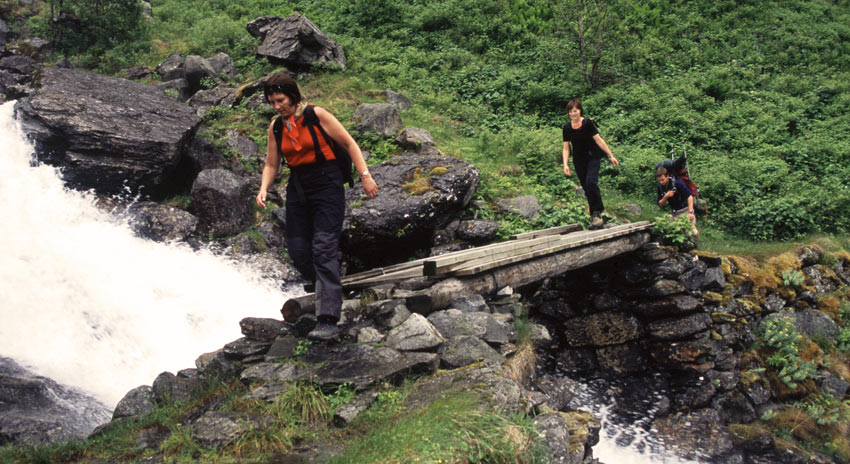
(677, 194)
(316, 147)
(582, 139)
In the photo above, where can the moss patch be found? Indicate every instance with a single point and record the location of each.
(419, 182)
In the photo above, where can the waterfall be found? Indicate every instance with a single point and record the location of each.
(89, 304)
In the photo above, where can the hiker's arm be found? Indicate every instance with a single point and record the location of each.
(604, 146)
(691, 207)
(566, 156)
(270, 169)
(665, 197)
(341, 136)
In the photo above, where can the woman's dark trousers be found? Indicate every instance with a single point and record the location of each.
(315, 207)
(587, 168)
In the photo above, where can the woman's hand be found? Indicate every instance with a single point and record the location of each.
(614, 161)
(261, 199)
(369, 185)
(567, 170)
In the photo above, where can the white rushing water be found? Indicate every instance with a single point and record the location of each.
(620, 442)
(87, 303)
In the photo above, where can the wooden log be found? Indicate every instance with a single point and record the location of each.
(293, 308)
(431, 266)
(526, 272)
(558, 230)
(477, 266)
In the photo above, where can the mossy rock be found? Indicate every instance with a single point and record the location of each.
(713, 297)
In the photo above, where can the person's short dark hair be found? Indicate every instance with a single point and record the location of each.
(282, 82)
(575, 103)
(661, 171)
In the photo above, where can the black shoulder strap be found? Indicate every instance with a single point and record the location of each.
(343, 159)
(277, 128)
(311, 121)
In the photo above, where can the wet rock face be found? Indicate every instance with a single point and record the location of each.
(106, 133)
(37, 410)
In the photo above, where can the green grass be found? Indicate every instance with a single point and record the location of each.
(456, 428)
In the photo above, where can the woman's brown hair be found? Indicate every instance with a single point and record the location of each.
(282, 82)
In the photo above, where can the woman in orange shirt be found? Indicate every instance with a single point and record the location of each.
(315, 196)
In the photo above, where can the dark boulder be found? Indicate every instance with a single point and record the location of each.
(37, 410)
(18, 64)
(5, 33)
(106, 134)
(222, 202)
(161, 223)
(137, 402)
(418, 195)
(398, 100)
(296, 42)
(381, 118)
(205, 100)
(477, 230)
(172, 68)
(414, 138)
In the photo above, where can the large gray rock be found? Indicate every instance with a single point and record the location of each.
(172, 68)
(161, 223)
(455, 323)
(809, 323)
(414, 138)
(381, 118)
(418, 195)
(296, 42)
(5, 32)
(222, 202)
(136, 402)
(465, 350)
(107, 134)
(364, 365)
(168, 387)
(415, 333)
(477, 230)
(398, 100)
(218, 429)
(205, 100)
(37, 410)
(526, 206)
(222, 64)
(196, 69)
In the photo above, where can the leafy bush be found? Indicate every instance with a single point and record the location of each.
(677, 231)
(780, 334)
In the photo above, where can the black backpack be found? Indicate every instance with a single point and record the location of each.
(311, 121)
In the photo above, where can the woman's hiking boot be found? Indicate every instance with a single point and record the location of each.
(324, 331)
(596, 221)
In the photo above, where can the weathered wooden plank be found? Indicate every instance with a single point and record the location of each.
(524, 273)
(566, 243)
(557, 230)
(431, 265)
(382, 279)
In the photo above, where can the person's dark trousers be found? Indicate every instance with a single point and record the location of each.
(315, 207)
(587, 168)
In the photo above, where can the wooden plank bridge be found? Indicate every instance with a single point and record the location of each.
(521, 260)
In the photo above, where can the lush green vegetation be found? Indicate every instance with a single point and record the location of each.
(755, 93)
(459, 427)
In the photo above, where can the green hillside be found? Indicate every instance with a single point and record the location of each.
(755, 92)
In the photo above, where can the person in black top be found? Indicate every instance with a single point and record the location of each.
(586, 143)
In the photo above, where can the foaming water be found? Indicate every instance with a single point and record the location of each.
(87, 303)
(622, 440)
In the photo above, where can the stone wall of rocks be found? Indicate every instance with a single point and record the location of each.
(669, 332)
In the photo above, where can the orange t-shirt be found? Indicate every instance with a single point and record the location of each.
(297, 144)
